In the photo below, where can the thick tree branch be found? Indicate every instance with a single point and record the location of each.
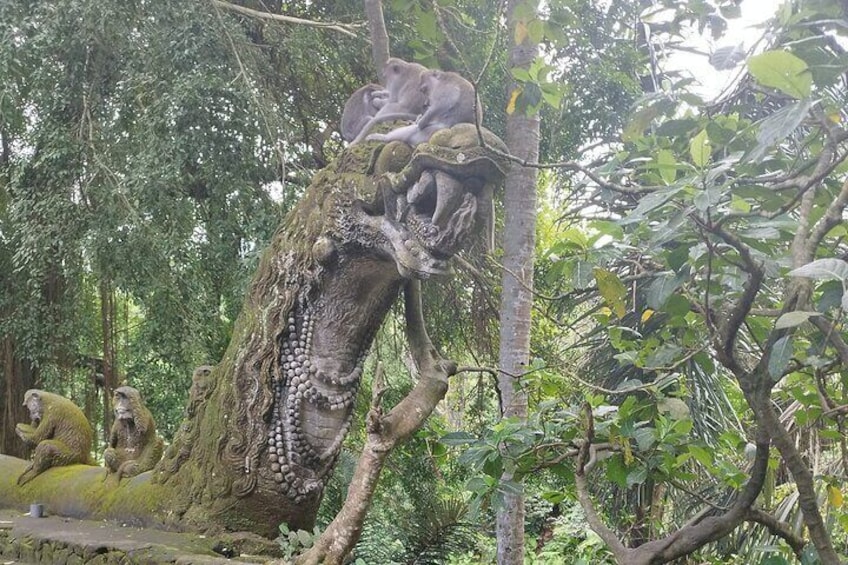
(688, 538)
(831, 219)
(766, 417)
(778, 528)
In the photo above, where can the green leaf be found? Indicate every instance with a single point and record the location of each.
(667, 166)
(703, 456)
(781, 353)
(677, 305)
(777, 127)
(554, 496)
(782, 70)
(458, 438)
(617, 471)
(700, 149)
(661, 289)
(637, 476)
(642, 118)
(792, 319)
(612, 289)
(675, 408)
(645, 438)
(823, 269)
(774, 560)
(305, 538)
(649, 202)
(536, 30)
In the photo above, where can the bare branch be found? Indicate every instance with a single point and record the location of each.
(778, 528)
(346, 29)
(831, 219)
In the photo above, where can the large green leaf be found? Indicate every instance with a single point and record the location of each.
(823, 269)
(613, 290)
(782, 70)
(776, 127)
(661, 288)
(779, 358)
(667, 166)
(792, 319)
(700, 149)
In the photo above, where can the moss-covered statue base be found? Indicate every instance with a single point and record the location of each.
(83, 491)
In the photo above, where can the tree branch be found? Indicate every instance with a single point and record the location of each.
(778, 528)
(346, 29)
(688, 538)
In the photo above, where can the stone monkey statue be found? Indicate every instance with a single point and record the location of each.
(450, 100)
(134, 446)
(59, 431)
(405, 99)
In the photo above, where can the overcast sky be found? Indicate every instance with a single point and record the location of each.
(744, 30)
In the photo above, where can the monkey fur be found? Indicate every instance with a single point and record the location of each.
(59, 431)
(405, 98)
(360, 108)
(134, 446)
(450, 100)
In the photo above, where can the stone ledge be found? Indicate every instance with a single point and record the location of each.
(66, 541)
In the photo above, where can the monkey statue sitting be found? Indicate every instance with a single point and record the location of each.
(59, 431)
(134, 446)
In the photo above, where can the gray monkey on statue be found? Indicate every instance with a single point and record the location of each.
(360, 108)
(405, 98)
(451, 100)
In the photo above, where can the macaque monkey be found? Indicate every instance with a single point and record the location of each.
(405, 98)
(451, 100)
(360, 108)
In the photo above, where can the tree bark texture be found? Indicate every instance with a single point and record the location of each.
(377, 31)
(18, 376)
(519, 242)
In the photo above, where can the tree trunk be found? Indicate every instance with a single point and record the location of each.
(18, 376)
(377, 31)
(107, 319)
(522, 138)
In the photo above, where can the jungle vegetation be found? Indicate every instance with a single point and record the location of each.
(689, 275)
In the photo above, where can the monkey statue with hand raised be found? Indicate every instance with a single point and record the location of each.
(450, 100)
(134, 446)
(405, 98)
(59, 431)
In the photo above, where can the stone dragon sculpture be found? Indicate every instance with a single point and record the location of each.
(264, 426)
(376, 218)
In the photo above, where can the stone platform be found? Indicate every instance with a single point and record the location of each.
(66, 541)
